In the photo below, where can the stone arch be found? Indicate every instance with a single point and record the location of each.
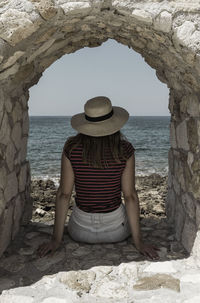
(35, 33)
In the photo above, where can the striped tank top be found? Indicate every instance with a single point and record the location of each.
(98, 190)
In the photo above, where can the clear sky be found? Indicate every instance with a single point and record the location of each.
(111, 70)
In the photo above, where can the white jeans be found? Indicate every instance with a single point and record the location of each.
(99, 227)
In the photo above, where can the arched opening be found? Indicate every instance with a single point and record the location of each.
(149, 133)
(167, 41)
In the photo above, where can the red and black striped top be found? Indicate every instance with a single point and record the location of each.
(98, 189)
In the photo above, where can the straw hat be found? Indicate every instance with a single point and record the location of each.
(100, 118)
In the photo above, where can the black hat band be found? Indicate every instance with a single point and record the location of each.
(101, 118)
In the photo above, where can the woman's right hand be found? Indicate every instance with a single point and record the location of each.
(148, 250)
(45, 247)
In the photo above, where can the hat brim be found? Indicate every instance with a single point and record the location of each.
(101, 128)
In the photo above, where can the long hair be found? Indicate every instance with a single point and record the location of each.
(94, 148)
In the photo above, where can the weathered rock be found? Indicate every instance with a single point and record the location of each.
(141, 15)
(44, 263)
(16, 135)
(5, 130)
(13, 59)
(163, 22)
(188, 234)
(16, 26)
(6, 228)
(158, 281)
(46, 8)
(10, 155)
(11, 189)
(79, 281)
(22, 177)
(181, 134)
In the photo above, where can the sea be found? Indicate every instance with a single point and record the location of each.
(47, 134)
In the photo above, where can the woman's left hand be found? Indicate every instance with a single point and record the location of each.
(148, 250)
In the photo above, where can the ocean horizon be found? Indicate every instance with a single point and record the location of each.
(47, 135)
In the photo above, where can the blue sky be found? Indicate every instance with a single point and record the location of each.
(111, 70)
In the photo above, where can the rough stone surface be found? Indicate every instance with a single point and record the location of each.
(33, 34)
(11, 189)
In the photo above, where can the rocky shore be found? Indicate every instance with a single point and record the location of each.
(81, 272)
(151, 190)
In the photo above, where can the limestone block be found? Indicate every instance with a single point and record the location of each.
(176, 185)
(181, 135)
(183, 104)
(192, 134)
(13, 59)
(195, 166)
(47, 35)
(16, 135)
(17, 112)
(190, 159)
(195, 249)
(8, 105)
(11, 189)
(24, 102)
(193, 106)
(23, 151)
(46, 8)
(194, 185)
(183, 33)
(10, 155)
(173, 140)
(76, 7)
(18, 210)
(6, 228)
(5, 130)
(142, 16)
(3, 178)
(198, 214)
(158, 281)
(188, 234)
(187, 35)
(56, 46)
(22, 177)
(1, 106)
(10, 71)
(25, 123)
(2, 202)
(179, 219)
(198, 130)
(1, 59)
(160, 267)
(40, 50)
(15, 26)
(163, 22)
(79, 281)
(24, 72)
(47, 61)
(9, 298)
(170, 205)
(189, 205)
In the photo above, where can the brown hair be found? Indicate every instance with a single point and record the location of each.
(94, 148)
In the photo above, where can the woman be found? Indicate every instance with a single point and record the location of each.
(101, 164)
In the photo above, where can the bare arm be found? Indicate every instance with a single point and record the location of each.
(131, 199)
(63, 197)
(62, 204)
(133, 209)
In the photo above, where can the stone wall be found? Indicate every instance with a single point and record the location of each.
(35, 33)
